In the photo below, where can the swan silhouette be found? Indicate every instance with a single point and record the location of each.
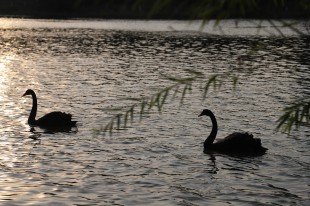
(53, 119)
(236, 143)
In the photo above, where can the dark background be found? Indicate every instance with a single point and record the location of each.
(155, 9)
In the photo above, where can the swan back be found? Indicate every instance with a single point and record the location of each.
(56, 119)
(239, 143)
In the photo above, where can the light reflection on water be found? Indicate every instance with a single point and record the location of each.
(160, 160)
(227, 27)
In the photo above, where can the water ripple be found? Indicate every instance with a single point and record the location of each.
(158, 161)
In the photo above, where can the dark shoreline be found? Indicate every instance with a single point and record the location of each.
(129, 9)
(131, 18)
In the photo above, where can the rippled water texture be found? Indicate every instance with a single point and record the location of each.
(159, 161)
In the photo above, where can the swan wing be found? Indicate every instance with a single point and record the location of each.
(240, 142)
(239, 137)
(55, 119)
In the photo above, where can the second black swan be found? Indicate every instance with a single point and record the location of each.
(53, 119)
(235, 143)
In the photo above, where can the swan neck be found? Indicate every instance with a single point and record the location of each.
(209, 141)
(33, 113)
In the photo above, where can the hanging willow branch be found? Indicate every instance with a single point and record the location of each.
(157, 100)
(295, 115)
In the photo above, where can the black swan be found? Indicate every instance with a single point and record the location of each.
(53, 119)
(235, 143)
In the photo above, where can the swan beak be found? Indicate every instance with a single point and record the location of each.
(200, 115)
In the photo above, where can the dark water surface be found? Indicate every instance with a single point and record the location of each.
(159, 161)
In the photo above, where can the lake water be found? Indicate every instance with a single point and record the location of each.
(84, 67)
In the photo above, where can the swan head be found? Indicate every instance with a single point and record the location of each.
(206, 112)
(28, 92)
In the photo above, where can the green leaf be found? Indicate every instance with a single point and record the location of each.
(296, 114)
(111, 128)
(163, 100)
(211, 80)
(131, 111)
(183, 94)
(235, 81)
(118, 118)
(142, 109)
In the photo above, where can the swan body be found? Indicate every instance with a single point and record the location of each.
(53, 119)
(235, 143)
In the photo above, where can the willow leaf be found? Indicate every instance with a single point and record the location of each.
(131, 111)
(157, 100)
(106, 127)
(111, 128)
(211, 80)
(142, 109)
(235, 81)
(126, 119)
(163, 100)
(151, 104)
(118, 118)
(176, 90)
(282, 120)
(183, 93)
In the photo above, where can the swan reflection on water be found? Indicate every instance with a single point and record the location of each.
(51, 121)
(241, 144)
(52, 130)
